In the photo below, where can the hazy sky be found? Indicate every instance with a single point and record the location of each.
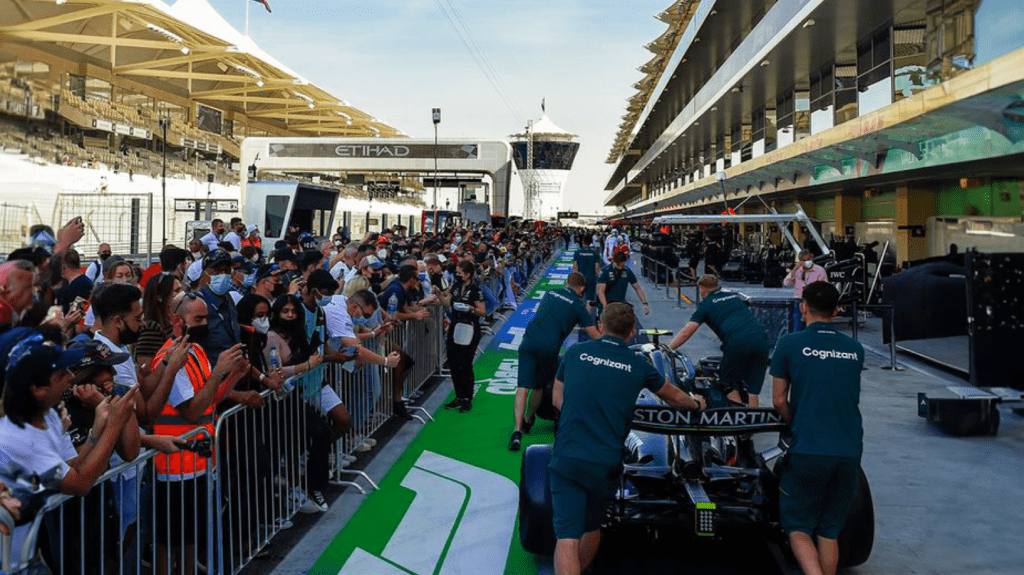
(397, 59)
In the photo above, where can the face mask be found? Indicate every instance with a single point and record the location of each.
(261, 324)
(278, 291)
(127, 336)
(220, 284)
(249, 280)
(808, 264)
(255, 258)
(326, 300)
(360, 320)
(197, 334)
(382, 254)
(458, 239)
(334, 253)
(103, 257)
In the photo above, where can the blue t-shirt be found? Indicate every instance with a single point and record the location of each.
(393, 289)
(601, 380)
(823, 368)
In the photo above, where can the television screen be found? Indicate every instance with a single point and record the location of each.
(208, 119)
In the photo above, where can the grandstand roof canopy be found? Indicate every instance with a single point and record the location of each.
(183, 53)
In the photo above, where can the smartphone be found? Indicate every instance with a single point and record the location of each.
(78, 304)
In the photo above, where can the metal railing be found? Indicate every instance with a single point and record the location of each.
(652, 269)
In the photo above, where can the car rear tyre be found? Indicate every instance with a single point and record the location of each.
(536, 531)
(858, 535)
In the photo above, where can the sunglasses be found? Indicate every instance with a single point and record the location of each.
(185, 296)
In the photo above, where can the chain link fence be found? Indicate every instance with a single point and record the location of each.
(14, 225)
(125, 221)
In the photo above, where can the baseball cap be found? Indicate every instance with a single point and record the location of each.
(242, 263)
(94, 353)
(35, 359)
(371, 261)
(267, 270)
(216, 257)
(383, 240)
(252, 228)
(285, 255)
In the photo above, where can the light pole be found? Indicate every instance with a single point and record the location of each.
(435, 115)
(163, 178)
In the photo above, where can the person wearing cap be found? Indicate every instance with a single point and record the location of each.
(286, 259)
(212, 238)
(370, 276)
(267, 282)
(223, 317)
(31, 431)
(596, 388)
(243, 277)
(234, 237)
(558, 314)
(252, 237)
(745, 344)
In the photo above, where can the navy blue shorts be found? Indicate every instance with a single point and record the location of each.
(537, 368)
(580, 491)
(745, 363)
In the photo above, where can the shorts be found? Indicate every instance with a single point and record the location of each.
(328, 399)
(580, 491)
(590, 292)
(181, 511)
(745, 363)
(537, 368)
(816, 493)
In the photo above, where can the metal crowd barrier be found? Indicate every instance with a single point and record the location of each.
(650, 268)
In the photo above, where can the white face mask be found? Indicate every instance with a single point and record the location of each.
(808, 264)
(334, 253)
(261, 324)
(382, 254)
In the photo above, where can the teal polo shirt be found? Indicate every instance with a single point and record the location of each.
(616, 282)
(559, 312)
(586, 259)
(731, 320)
(601, 380)
(823, 368)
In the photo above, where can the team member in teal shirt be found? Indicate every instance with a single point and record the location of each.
(587, 262)
(559, 312)
(596, 388)
(613, 281)
(816, 388)
(745, 344)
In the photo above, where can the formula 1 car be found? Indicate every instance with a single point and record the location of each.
(685, 468)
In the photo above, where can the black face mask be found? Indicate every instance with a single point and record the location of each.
(198, 334)
(103, 257)
(127, 336)
(278, 291)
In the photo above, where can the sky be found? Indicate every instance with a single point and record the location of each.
(397, 59)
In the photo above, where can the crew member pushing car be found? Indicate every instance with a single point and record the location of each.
(745, 344)
(596, 388)
(816, 388)
(559, 312)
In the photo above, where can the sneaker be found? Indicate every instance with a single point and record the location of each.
(400, 411)
(363, 448)
(516, 441)
(349, 458)
(370, 441)
(466, 406)
(318, 499)
(309, 507)
(527, 425)
(454, 404)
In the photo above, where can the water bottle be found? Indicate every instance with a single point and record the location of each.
(275, 364)
(392, 306)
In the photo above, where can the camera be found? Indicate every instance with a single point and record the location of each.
(201, 446)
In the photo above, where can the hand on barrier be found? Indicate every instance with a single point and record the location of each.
(393, 359)
(165, 443)
(274, 379)
(421, 315)
(315, 360)
(11, 505)
(251, 399)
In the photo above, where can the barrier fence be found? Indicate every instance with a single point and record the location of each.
(256, 471)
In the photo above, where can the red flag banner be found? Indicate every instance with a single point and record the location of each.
(265, 4)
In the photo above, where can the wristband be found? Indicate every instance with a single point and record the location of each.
(93, 440)
(263, 378)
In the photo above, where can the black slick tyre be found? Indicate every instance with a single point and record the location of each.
(858, 535)
(536, 532)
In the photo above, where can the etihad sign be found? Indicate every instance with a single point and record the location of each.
(371, 151)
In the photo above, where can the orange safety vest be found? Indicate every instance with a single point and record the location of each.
(183, 465)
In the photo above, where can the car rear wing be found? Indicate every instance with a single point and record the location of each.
(668, 420)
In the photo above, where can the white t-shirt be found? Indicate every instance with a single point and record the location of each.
(235, 239)
(211, 241)
(95, 272)
(182, 389)
(126, 373)
(39, 451)
(339, 322)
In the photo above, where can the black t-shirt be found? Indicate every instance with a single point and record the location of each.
(79, 287)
